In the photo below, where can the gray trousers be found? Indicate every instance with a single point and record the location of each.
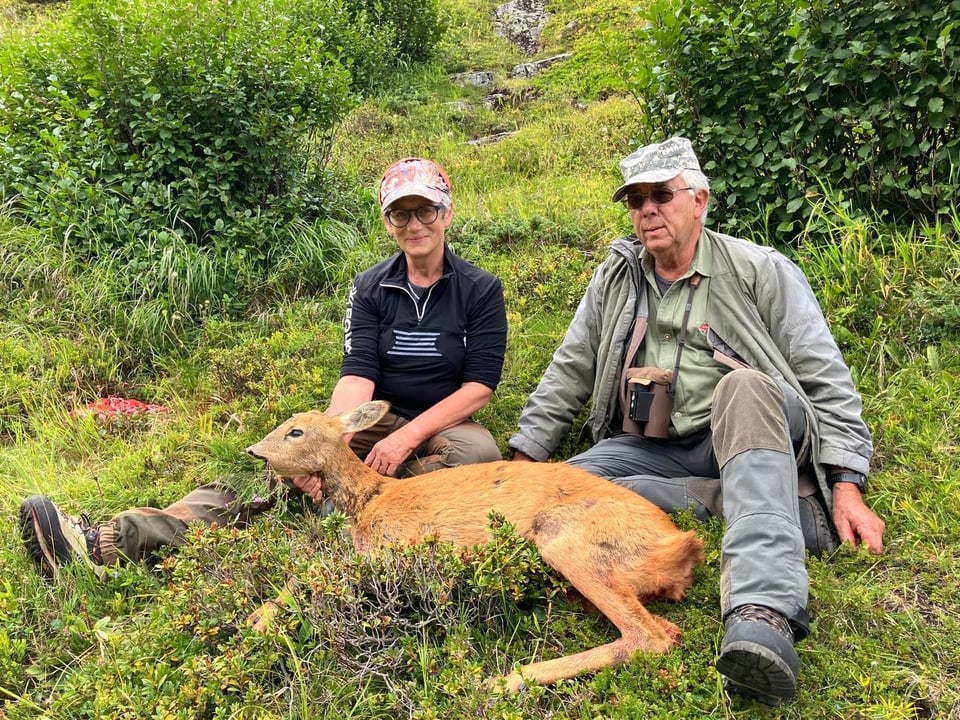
(743, 468)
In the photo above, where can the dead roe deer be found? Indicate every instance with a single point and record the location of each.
(613, 546)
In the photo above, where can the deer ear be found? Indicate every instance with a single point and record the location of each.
(364, 416)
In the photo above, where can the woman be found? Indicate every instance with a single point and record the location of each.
(424, 330)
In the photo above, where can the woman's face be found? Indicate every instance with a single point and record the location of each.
(416, 239)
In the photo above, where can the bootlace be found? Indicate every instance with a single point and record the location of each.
(763, 614)
(91, 533)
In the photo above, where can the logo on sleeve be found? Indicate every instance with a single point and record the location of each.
(348, 322)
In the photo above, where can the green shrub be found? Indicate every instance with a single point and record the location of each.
(382, 621)
(179, 148)
(785, 99)
(129, 118)
(417, 26)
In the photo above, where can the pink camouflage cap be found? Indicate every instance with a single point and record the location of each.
(414, 176)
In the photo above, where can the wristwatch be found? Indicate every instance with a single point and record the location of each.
(858, 479)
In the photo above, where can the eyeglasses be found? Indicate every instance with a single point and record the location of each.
(660, 196)
(426, 214)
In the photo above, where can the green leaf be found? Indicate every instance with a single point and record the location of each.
(795, 204)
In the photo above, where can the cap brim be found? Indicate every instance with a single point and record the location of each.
(650, 177)
(415, 190)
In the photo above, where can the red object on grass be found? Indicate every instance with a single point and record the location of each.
(113, 405)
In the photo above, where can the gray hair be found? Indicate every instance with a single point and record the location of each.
(696, 180)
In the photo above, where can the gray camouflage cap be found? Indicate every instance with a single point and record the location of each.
(656, 163)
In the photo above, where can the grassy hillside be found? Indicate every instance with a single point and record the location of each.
(169, 641)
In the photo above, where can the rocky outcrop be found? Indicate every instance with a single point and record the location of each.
(477, 78)
(521, 22)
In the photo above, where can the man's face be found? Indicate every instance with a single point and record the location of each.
(666, 217)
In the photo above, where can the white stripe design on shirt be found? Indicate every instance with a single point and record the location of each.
(415, 344)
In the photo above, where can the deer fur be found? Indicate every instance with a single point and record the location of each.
(613, 546)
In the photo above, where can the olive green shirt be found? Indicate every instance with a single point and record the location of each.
(699, 372)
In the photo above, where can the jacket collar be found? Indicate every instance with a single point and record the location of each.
(397, 269)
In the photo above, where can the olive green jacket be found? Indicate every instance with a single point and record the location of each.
(761, 313)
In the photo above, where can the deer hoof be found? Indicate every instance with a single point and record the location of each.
(512, 683)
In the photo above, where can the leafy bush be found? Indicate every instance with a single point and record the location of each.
(369, 611)
(129, 118)
(417, 25)
(374, 621)
(786, 99)
(179, 150)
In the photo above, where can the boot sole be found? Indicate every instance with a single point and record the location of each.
(755, 671)
(40, 520)
(46, 543)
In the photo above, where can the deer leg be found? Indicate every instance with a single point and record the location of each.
(582, 563)
(262, 619)
(644, 633)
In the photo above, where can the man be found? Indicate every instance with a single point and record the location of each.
(714, 378)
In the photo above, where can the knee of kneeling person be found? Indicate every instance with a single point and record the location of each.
(465, 453)
(745, 386)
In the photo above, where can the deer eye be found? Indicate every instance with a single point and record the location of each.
(295, 433)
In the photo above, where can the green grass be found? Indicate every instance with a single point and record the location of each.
(417, 636)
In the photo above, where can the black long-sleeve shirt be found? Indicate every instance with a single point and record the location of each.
(418, 351)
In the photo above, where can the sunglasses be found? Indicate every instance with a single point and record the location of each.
(660, 196)
(426, 214)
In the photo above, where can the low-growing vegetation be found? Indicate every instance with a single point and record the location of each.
(230, 343)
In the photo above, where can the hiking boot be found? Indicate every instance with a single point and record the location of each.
(53, 538)
(816, 527)
(757, 657)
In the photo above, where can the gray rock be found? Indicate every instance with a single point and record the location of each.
(496, 137)
(479, 78)
(526, 70)
(521, 22)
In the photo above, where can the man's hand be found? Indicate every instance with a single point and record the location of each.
(310, 485)
(854, 520)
